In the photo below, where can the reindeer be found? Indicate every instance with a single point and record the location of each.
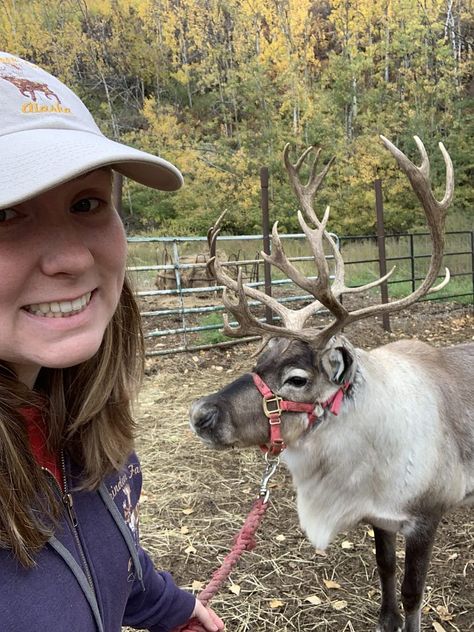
(383, 436)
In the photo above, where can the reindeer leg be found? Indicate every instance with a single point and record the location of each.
(417, 559)
(390, 619)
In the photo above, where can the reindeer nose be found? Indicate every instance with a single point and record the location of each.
(203, 416)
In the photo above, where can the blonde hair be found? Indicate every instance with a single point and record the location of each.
(88, 408)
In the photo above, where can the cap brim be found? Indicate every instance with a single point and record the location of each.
(34, 161)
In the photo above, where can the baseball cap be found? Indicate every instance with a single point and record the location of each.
(48, 136)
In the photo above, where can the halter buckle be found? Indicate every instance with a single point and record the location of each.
(272, 400)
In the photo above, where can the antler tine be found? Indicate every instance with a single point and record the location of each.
(212, 235)
(291, 319)
(279, 259)
(339, 286)
(326, 295)
(435, 212)
(302, 158)
(248, 324)
(320, 287)
(231, 284)
(306, 192)
(420, 178)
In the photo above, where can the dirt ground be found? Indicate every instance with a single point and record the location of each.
(195, 500)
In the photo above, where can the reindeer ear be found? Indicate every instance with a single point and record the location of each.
(338, 360)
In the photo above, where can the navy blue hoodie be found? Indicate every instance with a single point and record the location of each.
(92, 576)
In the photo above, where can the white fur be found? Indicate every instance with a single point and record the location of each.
(387, 448)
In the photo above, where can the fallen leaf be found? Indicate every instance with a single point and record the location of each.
(280, 538)
(370, 533)
(329, 583)
(320, 552)
(197, 585)
(438, 627)
(347, 545)
(444, 613)
(190, 549)
(235, 588)
(339, 605)
(276, 603)
(453, 556)
(314, 599)
(188, 511)
(184, 530)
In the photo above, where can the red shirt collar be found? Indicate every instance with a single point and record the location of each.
(37, 432)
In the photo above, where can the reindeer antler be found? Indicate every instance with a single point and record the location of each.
(326, 294)
(293, 320)
(435, 213)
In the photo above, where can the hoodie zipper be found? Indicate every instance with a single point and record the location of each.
(66, 498)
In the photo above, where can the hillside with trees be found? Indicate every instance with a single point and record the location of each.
(219, 86)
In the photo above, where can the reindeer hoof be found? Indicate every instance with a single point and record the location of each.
(390, 623)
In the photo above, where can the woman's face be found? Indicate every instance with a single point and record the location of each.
(62, 266)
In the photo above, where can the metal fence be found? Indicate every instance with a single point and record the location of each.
(181, 306)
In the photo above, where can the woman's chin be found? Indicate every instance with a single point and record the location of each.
(68, 354)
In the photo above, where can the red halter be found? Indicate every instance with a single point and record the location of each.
(274, 405)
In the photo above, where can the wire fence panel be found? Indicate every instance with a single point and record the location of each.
(181, 305)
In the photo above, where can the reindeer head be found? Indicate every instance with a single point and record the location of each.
(299, 364)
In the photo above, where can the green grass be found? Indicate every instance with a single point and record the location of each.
(211, 336)
(456, 287)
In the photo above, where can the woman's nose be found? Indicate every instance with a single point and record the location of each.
(65, 250)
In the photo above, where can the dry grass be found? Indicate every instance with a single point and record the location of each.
(195, 500)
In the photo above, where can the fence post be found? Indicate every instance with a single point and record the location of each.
(381, 247)
(412, 262)
(266, 239)
(179, 289)
(472, 261)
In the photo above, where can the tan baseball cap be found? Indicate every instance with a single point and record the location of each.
(48, 136)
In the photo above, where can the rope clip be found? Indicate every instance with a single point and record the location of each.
(270, 469)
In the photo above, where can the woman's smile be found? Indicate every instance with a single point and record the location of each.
(60, 309)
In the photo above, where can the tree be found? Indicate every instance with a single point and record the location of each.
(219, 86)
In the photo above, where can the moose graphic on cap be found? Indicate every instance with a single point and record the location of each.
(29, 88)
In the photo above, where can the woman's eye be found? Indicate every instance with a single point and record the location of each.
(297, 380)
(86, 205)
(7, 214)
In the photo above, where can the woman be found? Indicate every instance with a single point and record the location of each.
(71, 358)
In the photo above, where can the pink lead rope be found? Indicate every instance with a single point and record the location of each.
(243, 541)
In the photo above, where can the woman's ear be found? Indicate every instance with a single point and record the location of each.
(338, 360)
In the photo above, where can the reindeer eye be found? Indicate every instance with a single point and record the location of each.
(297, 380)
